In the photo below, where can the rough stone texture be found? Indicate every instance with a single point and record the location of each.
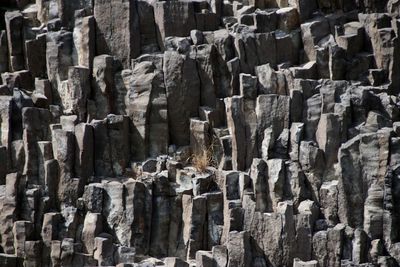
(117, 29)
(199, 133)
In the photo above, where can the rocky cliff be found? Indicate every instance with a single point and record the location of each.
(211, 133)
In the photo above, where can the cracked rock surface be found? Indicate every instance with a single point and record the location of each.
(208, 133)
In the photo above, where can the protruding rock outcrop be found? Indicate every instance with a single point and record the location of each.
(199, 133)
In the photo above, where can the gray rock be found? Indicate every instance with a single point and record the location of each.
(236, 123)
(174, 19)
(14, 26)
(183, 94)
(117, 30)
(103, 85)
(239, 250)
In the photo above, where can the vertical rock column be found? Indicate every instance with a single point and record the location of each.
(84, 37)
(183, 94)
(3, 52)
(236, 124)
(147, 108)
(117, 29)
(14, 26)
(174, 18)
(103, 85)
(59, 59)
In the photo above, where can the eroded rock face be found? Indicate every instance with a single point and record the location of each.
(199, 133)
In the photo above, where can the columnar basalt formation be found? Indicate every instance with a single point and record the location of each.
(215, 133)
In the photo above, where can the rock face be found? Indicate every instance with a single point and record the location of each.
(207, 133)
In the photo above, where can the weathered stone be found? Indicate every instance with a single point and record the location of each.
(20, 79)
(118, 138)
(276, 180)
(328, 137)
(214, 81)
(329, 202)
(74, 99)
(173, 19)
(194, 214)
(104, 251)
(147, 107)
(14, 25)
(138, 133)
(259, 176)
(160, 219)
(183, 94)
(35, 51)
(5, 115)
(272, 111)
(92, 226)
(36, 128)
(175, 262)
(239, 250)
(298, 263)
(136, 230)
(288, 18)
(312, 33)
(236, 124)
(117, 30)
(103, 85)
(84, 38)
(270, 81)
(58, 60)
(204, 258)
(148, 33)
(64, 153)
(3, 52)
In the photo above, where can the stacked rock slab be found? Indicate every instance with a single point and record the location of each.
(199, 133)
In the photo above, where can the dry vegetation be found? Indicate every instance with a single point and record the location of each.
(204, 159)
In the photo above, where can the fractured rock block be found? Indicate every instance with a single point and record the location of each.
(22, 231)
(328, 136)
(93, 197)
(239, 249)
(14, 25)
(64, 152)
(58, 60)
(270, 81)
(84, 149)
(148, 110)
(214, 81)
(78, 91)
(246, 51)
(194, 214)
(117, 29)
(272, 111)
(84, 39)
(305, 8)
(103, 85)
(200, 140)
(174, 19)
(102, 157)
(5, 120)
(36, 128)
(20, 79)
(236, 124)
(118, 138)
(3, 52)
(35, 53)
(183, 94)
(148, 33)
(288, 19)
(66, 10)
(92, 227)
